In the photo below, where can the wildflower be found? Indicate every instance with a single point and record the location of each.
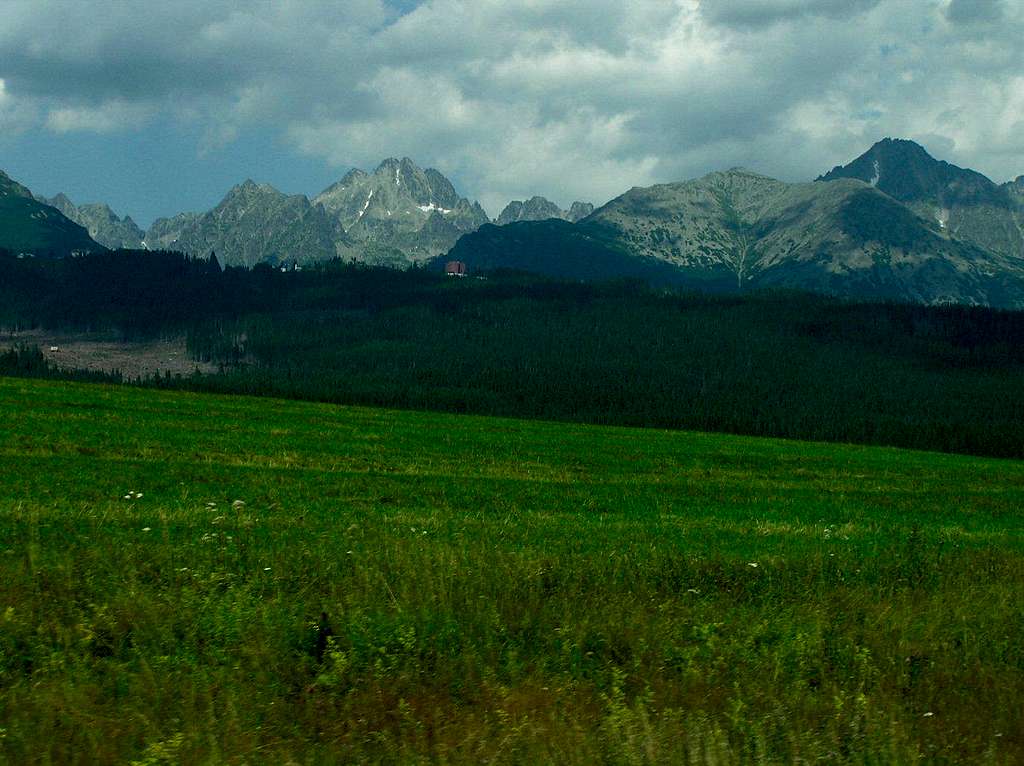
(266, 569)
(238, 505)
(147, 529)
(752, 564)
(929, 714)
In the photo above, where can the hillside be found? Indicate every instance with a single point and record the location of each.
(741, 230)
(30, 227)
(961, 201)
(293, 581)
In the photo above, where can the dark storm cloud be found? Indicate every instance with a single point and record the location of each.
(567, 99)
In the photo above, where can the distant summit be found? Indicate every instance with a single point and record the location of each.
(402, 207)
(101, 222)
(254, 223)
(963, 202)
(541, 209)
(905, 171)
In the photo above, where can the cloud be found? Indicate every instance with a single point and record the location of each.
(16, 115)
(108, 117)
(760, 13)
(566, 99)
(973, 11)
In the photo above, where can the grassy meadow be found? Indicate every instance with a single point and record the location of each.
(191, 578)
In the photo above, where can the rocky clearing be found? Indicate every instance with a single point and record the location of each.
(103, 352)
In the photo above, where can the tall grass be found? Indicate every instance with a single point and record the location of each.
(403, 588)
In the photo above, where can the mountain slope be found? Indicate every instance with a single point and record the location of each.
(101, 222)
(31, 227)
(255, 223)
(560, 249)
(737, 230)
(403, 207)
(967, 204)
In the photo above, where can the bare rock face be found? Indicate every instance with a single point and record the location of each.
(541, 209)
(165, 232)
(400, 206)
(255, 223)
(578, 211)
(101, 222)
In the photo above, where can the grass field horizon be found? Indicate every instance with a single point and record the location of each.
(496, 590)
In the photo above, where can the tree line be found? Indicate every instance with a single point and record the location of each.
(775, 364)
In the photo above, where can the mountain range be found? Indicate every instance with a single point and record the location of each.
(541, 209)
(894, 223)
(398, 214)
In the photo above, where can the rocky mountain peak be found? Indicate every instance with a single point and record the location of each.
(962, 202)
(396, 206)
(255, 223)
(249, 187)
(905, 171)
(580, 210)
(540, 209)
(102, 223)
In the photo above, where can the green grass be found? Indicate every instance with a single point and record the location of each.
(499, 591)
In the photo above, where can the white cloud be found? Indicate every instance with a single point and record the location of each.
(569, 99)
(108, 117)
(16, 115)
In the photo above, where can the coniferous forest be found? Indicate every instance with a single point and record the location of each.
(781, 364)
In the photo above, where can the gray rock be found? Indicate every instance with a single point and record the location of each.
(101, 222)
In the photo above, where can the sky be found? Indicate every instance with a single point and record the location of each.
(159, 108)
